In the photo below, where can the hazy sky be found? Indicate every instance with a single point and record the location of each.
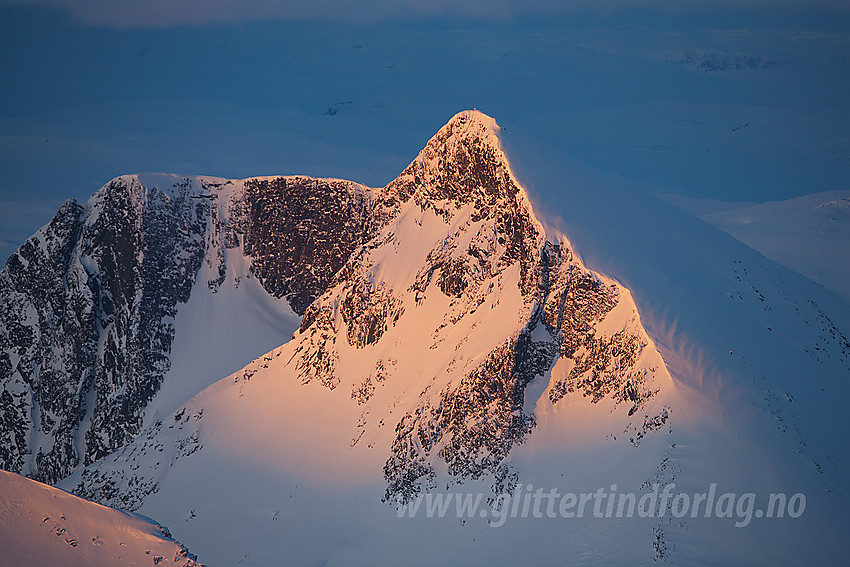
(698, 97)
(161, 13)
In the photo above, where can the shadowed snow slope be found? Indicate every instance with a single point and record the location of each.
(808, 234)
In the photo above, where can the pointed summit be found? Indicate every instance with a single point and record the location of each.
(474, 122)
(462, 162)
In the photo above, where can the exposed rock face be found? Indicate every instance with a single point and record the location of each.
(85, 327)
(147, 246)
(44, 359)
(300, 231)
(87, 304)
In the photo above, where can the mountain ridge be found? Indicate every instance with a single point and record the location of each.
(129, 225)
(448, 340)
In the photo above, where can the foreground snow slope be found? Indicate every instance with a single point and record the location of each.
(42, 525)
(465, 348)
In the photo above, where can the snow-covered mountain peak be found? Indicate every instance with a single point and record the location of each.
(471, 124)
(444, 339)
(448, 327)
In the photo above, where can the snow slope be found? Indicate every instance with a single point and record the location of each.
(42, 525)
(809, 234)
(293, 455)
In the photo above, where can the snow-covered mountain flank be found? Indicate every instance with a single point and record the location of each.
(425, 337)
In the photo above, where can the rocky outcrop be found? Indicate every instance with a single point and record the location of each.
(300, 231)
(86, 322)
